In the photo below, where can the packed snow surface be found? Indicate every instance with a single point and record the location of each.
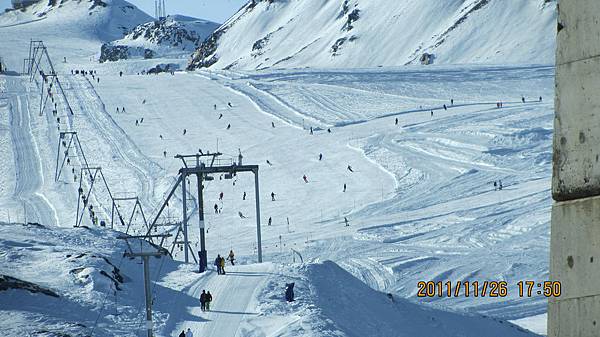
(418, 168)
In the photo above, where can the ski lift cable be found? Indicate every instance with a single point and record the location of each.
(93, 328)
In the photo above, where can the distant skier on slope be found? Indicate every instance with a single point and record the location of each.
(311, 130)
(396, 120)
(344, 187)
(346, 222)
(523, 99)
(244, 196)
(221, 196)
(320, 156)
(216, 209)
(305, 178)
(272, 124)
(184, 131)
(229, 104)
(350, 168)
(445, 107)
(215, 107)
(270, 221)
(272, 196)
(228, 126)
(220, 116)
(268, 162)
(241, 215)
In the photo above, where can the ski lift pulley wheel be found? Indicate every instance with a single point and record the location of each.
(209, 178)
(228, 176)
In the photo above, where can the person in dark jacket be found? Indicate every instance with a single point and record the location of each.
(182, 334)
(208, 300)
(203, 301)
(289, 292)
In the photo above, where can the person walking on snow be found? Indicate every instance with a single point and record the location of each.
(203, 301)
(189, 333)
(117, 109)
(182, 334)
(232, 257)
(396, 120)
(215, 106)
(523, 99)
(305, 178)
(184, 131)
(273, 124)
(344, 187)
(272, 196)
(208, 300)
(320, 156)
(221, 196)
(452, 101)
(218, 264)
(222, 262)
(270, 221)
(311, 130)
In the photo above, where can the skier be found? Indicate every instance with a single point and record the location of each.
(305, 178)
(229, 104)
(311, 130)
(270, 221)
(189, 333)
(495, 185)
(540, 98)
(445, 107)
(184, 131)
(98, 79)
(320, 156)
(141, 120)
(220, 116)
(241, 215)
(232, 257)
(160, 136)
(136, 122)
(216, 209)
(144, 101)
(350, 168)
(346, 222)
(182, 334)
(244, 196)
(500, 185)
(123, 107)
(117, 109)
(523, 99)
(222, 263)
(221, 196)
(273, 124)
(452, 101)
(396, 120)
(120, 74)
(165, 154)
(328, 130)
(218, 264)
(431, 113)
(228, 126)
(203, 300)
(344, 187)
(215, 107)
(208, 300)
(272, 196)
(268, 162)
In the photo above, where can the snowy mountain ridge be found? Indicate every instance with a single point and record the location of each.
(174, 35)
(371, 33)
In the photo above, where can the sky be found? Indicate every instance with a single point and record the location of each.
(213, 10)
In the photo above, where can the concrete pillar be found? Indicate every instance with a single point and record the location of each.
(575, 238)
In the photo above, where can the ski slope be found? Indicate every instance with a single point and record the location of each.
(420, 201)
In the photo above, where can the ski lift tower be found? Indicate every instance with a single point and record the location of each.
(202, 166)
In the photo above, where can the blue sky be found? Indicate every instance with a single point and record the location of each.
(214, 10)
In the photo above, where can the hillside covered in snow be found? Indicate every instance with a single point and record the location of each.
(372, 33)
(173, 36)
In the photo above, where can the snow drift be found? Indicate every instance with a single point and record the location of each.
(369, 33)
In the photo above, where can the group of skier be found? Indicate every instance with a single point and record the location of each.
(220, 262)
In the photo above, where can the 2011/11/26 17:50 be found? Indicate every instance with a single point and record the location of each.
(487, 288)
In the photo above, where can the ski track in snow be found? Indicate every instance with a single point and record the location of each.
(29, 179)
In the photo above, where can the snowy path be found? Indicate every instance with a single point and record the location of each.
(29, 179)
(233, 297)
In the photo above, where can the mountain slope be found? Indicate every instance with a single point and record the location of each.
(173, 36)
(368, 33)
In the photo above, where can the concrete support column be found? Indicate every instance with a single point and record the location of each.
(575, 238)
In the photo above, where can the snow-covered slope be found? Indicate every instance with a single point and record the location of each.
(173, 36)
(331, 302)
(369, 33)
(76, 27)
